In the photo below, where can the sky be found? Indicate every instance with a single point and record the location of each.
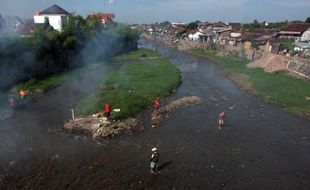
(151, 11)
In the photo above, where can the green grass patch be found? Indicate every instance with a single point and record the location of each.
(133, 87)
(278, 88)
(135, 55)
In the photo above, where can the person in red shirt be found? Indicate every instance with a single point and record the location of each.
(107, 109)
(156, 103)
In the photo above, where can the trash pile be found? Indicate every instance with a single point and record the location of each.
(99, 127)
(158, 117)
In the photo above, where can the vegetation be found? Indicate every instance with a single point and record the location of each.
(279, 88)
(133, 87)
(51, 81)
(263, 25)
(192, 26)
(49, 51)
(134, 55)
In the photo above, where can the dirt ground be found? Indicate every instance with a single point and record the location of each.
(260, 147)
(270, 63)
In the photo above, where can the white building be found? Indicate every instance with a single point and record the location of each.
(195, 36)
(55, 14)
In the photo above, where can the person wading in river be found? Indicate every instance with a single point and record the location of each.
(221, 120)
(154, 161)
(156, 103)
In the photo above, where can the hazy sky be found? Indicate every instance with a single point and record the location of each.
(148, 11)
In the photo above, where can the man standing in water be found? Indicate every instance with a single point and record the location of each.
(154, 161)
(221, 120)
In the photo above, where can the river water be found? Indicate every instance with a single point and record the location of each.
(261, 146)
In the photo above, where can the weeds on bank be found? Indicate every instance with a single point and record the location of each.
(279, 88)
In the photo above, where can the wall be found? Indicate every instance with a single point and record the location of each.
(300, 67)
(56, 21)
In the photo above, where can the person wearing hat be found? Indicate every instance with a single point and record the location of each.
(154, 160)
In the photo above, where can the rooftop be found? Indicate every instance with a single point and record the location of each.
(54, 9)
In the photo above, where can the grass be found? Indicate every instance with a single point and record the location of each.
(278, 88)
(133, 87)
(135, 55)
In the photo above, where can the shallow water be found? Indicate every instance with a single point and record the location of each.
(261, 146)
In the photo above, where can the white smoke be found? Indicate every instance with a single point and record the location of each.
(111, 1)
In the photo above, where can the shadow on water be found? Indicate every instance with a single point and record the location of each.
(164, 165)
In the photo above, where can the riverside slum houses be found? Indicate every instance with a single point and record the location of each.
(233, 34)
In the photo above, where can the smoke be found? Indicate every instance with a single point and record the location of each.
(111, 1)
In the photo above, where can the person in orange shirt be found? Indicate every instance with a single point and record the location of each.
(22, 94)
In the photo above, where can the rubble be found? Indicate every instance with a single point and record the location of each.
(99, 127)
(157, 117)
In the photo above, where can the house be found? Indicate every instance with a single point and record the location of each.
(202, 27)
(219, 26)
(224, 37)
(195, 35)
(11, 24)
(104, 17)
(247, 40)
(301, 46)
(294, 30)
(236, 29)
(55, 14)
(178, 24)
(27, 27)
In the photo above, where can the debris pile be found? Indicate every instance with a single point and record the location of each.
(270, 63)
(158, 117)
(99, 127)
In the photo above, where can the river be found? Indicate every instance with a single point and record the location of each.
(260, 147)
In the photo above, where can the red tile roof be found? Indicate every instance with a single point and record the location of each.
(296, 28)
(103, 16)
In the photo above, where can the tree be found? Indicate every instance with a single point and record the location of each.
(256, 24)
(307, 20)
(46, 25)
(192, 26)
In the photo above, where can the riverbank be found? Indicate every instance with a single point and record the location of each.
(279, 88)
